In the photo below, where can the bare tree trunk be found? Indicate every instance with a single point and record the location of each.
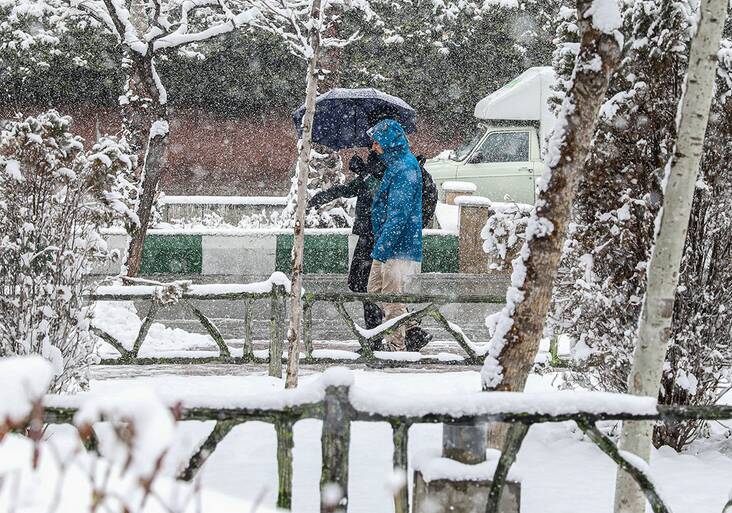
(654, 329)
(152, 171)
(154, 112)
(516, 341)
(303, 164)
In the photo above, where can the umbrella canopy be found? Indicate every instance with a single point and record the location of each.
(342, 116)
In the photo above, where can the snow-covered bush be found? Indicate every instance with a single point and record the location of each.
(48, 473)
(24, 381)
(699, 357)
(503, 234)
(566, 46)
(53, 198)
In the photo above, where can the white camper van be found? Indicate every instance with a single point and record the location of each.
(503, 156)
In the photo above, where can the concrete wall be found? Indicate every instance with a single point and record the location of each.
(255, 253)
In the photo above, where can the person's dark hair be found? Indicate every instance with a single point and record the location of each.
(386, 113)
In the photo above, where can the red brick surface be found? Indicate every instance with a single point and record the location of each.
(211, 155)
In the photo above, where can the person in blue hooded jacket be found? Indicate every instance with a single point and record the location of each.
(396, 219)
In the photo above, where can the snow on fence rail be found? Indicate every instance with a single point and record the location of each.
(225, 200)
(276, 289)
(337, 402)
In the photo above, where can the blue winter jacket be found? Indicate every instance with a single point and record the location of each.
(396, 212)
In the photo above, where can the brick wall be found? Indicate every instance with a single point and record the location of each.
(211, 155)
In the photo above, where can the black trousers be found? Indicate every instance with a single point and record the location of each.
(358, 279)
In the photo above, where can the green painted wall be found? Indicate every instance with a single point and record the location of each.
(175, 254)
(324, 254)
(440, 254)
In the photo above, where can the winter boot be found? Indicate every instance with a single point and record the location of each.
(417, 338)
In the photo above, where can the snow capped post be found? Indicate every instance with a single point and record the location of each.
(303, 26)
(672, 222)
(519, 328)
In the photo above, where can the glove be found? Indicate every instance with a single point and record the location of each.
(315, 201)
(356, 164)
(375, 165)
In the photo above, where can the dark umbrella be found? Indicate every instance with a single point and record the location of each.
(342, 116)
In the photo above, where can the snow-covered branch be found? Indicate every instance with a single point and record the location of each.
(181, 36)
(127, 33)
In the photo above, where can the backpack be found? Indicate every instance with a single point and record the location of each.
(429, 194)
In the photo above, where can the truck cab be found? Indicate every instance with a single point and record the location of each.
(502, 161)
(503, 154)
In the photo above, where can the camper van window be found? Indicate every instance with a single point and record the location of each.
(469, 143)
(503, 147)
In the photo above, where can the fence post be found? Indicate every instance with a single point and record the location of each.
(307, 327)
(247, 351)
(400, 434)
(465, 443)
(335, 439)
(277, 330)
(285, 444)
(473, 214)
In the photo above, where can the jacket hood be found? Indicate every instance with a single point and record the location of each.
(390, 135)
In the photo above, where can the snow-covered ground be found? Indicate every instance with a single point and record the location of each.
(561, 472)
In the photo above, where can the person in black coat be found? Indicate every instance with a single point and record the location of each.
(368, 176)
(363, 187)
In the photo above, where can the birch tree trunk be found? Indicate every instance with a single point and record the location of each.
(673, 220)
(516, 339)
(303, 164)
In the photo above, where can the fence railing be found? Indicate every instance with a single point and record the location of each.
(337, 403)
(275, 290)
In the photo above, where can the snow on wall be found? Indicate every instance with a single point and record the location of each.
(260, 232)
(224, 200)
(434, 466)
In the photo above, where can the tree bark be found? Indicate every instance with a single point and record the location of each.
(654, 329)
(153, 112)
(303, 163)
(516, 341)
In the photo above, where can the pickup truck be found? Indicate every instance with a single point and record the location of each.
(503, 155)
